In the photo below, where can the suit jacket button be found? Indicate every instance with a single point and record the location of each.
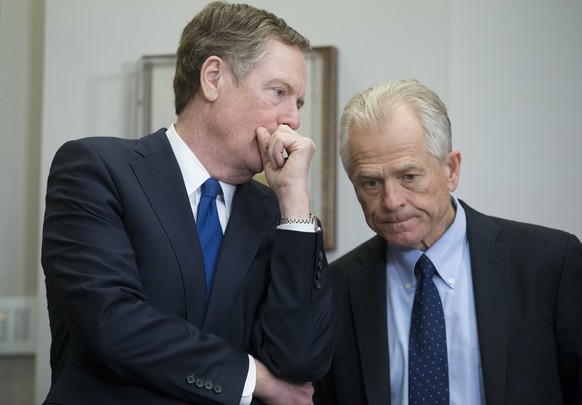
(208, 385)
(199, 382)
(317, 284)
(217, 388)
(190, 378)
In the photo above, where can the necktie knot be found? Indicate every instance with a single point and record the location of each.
(425, 267)
(210, 188)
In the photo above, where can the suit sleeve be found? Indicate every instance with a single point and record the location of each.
(294, 334)
(569, 323)
(97, 305)
(326, 392)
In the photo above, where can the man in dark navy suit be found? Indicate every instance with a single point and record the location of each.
(132, 318)
(507, 294)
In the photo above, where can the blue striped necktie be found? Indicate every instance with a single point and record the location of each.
(428, 371)
(209, 229)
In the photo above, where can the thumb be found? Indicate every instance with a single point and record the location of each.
(263, 140)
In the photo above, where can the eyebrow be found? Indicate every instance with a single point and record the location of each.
(365, 175)
(408, 168)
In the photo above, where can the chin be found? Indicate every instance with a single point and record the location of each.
(403, 239)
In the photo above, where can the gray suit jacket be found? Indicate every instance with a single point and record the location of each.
(528, 297)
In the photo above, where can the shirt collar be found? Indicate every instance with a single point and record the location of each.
(193, 173)
(446, 254)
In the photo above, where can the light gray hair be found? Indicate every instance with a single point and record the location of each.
(369, 111)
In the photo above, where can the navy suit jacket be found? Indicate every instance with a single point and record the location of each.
(126, 286)
(527, 283)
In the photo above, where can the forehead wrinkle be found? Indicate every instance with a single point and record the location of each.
(370, 165)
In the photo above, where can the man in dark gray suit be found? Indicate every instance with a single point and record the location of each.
(135, 318)
(507, 296)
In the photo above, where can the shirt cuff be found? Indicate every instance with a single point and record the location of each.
(297, 227)
(250, 383)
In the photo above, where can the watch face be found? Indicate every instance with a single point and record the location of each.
(313, 219)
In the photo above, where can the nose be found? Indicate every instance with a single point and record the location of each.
(290, 117)
(393, 196)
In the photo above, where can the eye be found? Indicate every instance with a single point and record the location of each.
(409, 178)
(371, 183)
(279, 92)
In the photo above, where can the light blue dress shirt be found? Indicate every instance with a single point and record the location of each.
(450, 255)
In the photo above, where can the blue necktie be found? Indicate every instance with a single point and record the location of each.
(209, 230)
(428, 371)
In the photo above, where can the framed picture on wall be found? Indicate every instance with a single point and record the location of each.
(318, 121)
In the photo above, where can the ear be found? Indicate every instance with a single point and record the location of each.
(212, 77)
(453, 163)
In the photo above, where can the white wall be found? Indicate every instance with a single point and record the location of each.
(21, 25)
(507, 73)
(20, 73)
(516, 105)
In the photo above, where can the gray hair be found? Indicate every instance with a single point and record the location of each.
(370, 110)
(237, 33)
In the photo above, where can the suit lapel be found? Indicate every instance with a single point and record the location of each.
(161, 179)
(249, 222)
(368, 299)
(490, 264)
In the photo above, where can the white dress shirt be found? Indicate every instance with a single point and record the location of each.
(194, 175)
